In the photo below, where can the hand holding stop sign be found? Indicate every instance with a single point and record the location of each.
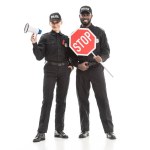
(98, 58)
(83, 42)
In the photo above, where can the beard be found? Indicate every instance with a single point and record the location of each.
(85, 22)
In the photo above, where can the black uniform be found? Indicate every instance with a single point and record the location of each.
(95, 76)
(54, 47)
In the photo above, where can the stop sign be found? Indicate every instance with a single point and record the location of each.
(82, 41)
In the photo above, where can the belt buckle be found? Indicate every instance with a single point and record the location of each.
(92, 64)
(61, 64)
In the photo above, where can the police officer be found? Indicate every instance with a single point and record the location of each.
(53, 46)
(89, 70)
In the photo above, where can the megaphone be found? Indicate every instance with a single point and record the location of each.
(29, 28)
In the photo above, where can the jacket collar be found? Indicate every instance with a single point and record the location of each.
(90, 27)
(54, 33)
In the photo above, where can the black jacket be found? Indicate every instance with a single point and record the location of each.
(102, 47)
(53, 46)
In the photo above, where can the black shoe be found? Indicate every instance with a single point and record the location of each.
(84, 134)
(60, 134)
(111, 136)
(39, 137)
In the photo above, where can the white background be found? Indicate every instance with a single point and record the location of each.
(126, 23)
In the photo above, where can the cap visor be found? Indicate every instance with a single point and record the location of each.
(85, 11)
(55, 20)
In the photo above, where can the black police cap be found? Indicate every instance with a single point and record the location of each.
(54, 17)
(85, 9)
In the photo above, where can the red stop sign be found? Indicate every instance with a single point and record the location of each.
(82, 41)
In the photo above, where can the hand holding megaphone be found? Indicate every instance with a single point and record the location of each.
(34, 38)
(33, 30)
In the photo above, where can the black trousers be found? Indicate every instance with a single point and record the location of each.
(95, 76)
(54, 75)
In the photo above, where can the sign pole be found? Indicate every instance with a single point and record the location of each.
(105, 67)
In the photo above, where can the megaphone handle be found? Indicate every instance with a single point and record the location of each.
(35, 35)
(33, 38)
(105, 67)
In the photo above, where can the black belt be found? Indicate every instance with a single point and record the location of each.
(57, 63)
(90, 64)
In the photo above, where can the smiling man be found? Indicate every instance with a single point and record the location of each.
(90, 72)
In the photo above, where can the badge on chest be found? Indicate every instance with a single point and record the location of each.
(64, 43)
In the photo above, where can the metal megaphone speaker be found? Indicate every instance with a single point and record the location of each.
(29, 28)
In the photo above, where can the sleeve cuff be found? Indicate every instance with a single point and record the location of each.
(34, 44)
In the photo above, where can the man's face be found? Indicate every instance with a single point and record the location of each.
(55, 25)
(85, 18)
